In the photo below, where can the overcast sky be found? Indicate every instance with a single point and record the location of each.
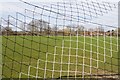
(11, 7)
(54, 0)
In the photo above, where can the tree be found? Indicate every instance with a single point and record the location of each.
(47, 30)
(67, 30)
(7, 31)
(22, 26)
(90, 30)
(35, 26)
(54, 28)
(80, 29)
(117, 31)
(100, 29)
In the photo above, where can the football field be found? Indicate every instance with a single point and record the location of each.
(58, 56)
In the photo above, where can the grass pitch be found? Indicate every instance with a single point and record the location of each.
(58, 56)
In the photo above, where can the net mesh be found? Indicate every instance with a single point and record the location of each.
(69, 39)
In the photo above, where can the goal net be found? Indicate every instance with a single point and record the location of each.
(60, 40)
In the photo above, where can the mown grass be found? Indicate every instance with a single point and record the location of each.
(21, 52)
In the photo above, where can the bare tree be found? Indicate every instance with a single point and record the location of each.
(22, 26)
(7, 31)
(35, 26)
(67, 30)
(80, 29)
(54, 28)
(91, 30)
(117, 31)
(100, 29)
(47, 30)
(32, 26)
